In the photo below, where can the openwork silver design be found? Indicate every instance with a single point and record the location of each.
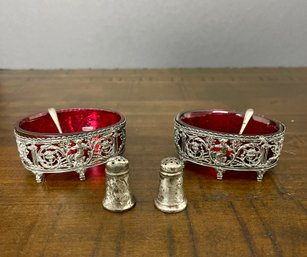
(171, 197)
(118, 197)
(70, 153)
(224, 151)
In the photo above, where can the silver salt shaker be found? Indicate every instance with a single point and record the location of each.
(171, 197)
(118, 197)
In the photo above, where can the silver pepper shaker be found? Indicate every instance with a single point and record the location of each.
(118, 196)
(171, 197)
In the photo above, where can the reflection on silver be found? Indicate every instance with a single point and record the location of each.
(118, 196)
(171, 197)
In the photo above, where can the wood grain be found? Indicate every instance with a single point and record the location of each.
(234, 217)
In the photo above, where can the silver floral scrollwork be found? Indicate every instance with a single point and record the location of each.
(224, 151)
(76, 152)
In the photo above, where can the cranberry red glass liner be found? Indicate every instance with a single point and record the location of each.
(43, 150)
(208, 138)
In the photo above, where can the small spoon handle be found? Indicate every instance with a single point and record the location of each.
(248, 114)
(55, 119)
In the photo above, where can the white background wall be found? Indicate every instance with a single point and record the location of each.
(152, 33)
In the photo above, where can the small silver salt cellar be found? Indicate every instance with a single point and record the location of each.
(171, 197)
(118, 197)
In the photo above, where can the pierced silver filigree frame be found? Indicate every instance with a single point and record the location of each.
(224, 151)
(77, 152)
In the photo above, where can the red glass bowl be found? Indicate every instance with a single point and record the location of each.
(211, 138)
(89, 138)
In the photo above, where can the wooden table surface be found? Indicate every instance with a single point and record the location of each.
(237, 216)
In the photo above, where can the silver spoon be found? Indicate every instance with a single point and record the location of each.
(248, 114)
(55, 119)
